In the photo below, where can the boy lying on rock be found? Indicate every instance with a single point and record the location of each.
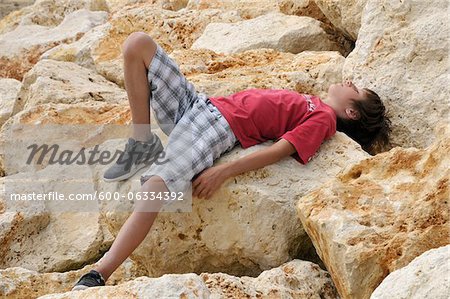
(202, 128)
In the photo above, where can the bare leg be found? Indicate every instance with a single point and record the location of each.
(134, 230)
(138, 51)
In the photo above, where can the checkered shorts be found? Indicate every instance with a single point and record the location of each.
(198, 133)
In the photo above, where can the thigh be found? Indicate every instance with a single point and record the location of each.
(197, 140)
(171, 94)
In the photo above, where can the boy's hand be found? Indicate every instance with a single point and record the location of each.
(208, 181)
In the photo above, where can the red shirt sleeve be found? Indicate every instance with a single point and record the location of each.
(308, 136)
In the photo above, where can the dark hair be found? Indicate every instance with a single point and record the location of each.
(372, 130)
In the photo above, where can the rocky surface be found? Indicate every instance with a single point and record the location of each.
(294, 279)
(273, 30)
(7, 6)
(379, 214)
(368, 218)
(427, 276)
(402, 54)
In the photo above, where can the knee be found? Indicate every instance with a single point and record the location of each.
(136, 43)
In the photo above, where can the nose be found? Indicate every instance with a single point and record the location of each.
(348, 82)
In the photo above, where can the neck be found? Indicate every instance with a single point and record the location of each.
(331, 104)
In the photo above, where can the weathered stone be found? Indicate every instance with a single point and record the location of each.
(274, 30)
(49, 13)
(8, 94)
(7, 6)
(345, 15)
(21, 47)
(247, 226)
(402, 54)
(427, 276)
(55, 243)
(294, 279)
(218, 74)
(19, 283)
(379, 214)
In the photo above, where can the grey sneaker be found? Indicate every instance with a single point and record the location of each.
(137, 155)
(88, 280)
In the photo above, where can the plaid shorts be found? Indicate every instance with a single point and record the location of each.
(198, 132)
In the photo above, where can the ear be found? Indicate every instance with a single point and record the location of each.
(352, 113)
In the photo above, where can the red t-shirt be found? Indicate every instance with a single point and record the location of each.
(257, 115)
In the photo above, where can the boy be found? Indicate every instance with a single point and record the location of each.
(201, 129)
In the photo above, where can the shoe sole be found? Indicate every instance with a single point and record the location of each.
(132, 172)
(79, 288)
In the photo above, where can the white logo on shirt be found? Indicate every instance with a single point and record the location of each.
(311, 106)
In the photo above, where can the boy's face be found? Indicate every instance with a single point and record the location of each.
(341, 94)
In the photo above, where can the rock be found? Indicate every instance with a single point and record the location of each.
(402, 54)
(218, 74)
(101, 49)
(7, 6)
(427, 276)
(52, 81)
(49, 13)
(377, 215)
(274, 30)
(18, 283)
(54, 244)
(22, 46)
(247, 226)
(345, 15)
(294, 279)
(8, 94)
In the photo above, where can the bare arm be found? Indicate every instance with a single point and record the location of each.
(267, 156)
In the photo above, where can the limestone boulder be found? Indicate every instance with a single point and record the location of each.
(273, 30)
(377, 215)
(18, 283)
(427, 276)
(21, 47)
(216, 74)
(101, 49)
(294, 279)
(53, 234)
(49, 13)
(344, 15)
(247, 226)
(9, 89)
(402, 54)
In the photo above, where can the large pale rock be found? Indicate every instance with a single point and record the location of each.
(19, 283)
(8, 94)
(379, 214)
(427, 276)
(56, 243)
(294, 279)
(52, 81)
(48, 13)
(247, 226)
(219, 74)
(101, 50)
(274, 30)
(21, 47)
(402, 54)
(345, 15)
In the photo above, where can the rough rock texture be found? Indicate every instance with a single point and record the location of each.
(249, 224)
(274, 30)
(218, 74)
(345, 15)
(49, 13)
(21, 47)
(402, 54)
(7, 6)
(52, 81)
(294, 279)
(427, 276)
(8, 94)
(45, 235)
(379, 214)
(19, 283)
